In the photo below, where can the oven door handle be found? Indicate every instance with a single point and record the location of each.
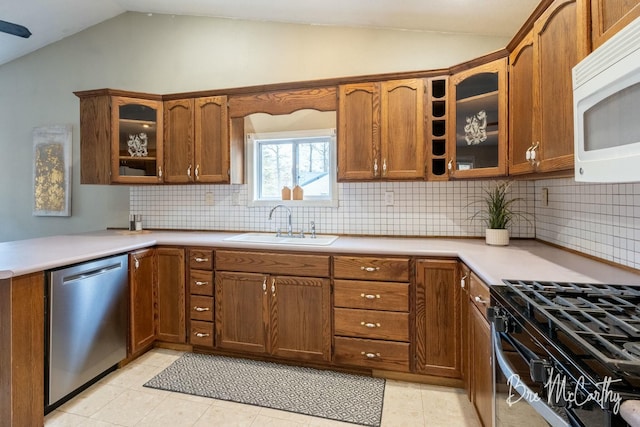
(525, 392)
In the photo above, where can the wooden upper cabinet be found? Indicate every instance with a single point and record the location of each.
(521, 106)
(358, 131)
(381, 130)
(197, 140)
(478, 121)
(558, 42)
(610, 16)
(212, 156)
(402, 126)
(120, 138)
(178, 136)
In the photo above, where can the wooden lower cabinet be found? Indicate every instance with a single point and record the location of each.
(142, 291)
(283, 316)
(438, 318)
(480, 368)
(371, 313)
(22, 351)
(171, 295)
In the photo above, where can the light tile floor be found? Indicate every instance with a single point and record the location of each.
(120, 400)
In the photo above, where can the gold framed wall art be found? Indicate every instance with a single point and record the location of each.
(52, 149)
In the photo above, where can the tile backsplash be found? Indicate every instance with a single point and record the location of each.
(419, 209)
(602, 220)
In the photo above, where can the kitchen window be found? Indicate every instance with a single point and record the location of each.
(289, 159)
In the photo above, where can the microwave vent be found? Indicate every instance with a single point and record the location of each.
(613, 50)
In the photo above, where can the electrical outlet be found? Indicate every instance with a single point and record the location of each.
(388, 198)
(544, 197)
(208, 198)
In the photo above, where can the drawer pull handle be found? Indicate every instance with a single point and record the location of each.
(370, 355)
(370, 269)
(201, 335)
(370, 296)
(199, 283)
(479, 300)
(370, 325)
(198, 259)
(196, 308)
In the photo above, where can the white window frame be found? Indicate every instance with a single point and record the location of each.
(252, 165)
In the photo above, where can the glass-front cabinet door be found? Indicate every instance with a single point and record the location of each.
(478, 121)
(137, 140)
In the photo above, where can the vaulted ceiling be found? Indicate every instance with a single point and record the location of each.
(53, 20)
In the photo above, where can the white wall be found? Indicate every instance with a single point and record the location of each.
(165, 54)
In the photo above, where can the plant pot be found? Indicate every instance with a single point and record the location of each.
(497, 237)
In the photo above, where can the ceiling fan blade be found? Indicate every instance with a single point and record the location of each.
(15, 29)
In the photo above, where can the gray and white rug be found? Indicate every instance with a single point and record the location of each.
(327, 394)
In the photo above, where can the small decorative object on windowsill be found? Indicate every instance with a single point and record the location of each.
(297, 193)
(498, 212)
(286, 193)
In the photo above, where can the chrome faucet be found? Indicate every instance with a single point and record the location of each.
(289, 225)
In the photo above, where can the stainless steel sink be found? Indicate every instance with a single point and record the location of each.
(270, 238)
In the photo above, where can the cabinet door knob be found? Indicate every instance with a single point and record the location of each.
(199, 283)
(189, 172)
(136, 262)
(198, 259)
(159, 172)
(264, 285)
(375, 167)
(369, 269)
(200, 309)
(384, 167)
(273, 287)
(197, 172)
(463, 281)
(370, 296)
(201, 335)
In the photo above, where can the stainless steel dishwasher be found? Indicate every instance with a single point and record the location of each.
(87, 325)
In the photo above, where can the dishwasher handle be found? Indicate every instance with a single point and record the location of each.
(91, 273)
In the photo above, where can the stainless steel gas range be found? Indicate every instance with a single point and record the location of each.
(566, 354)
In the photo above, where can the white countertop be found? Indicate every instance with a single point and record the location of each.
(522, 259)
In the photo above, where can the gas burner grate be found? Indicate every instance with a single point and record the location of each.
(603, 318)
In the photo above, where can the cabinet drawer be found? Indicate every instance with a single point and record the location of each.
(371, 268)
(385, 325)
(386, 355)
(479, 294)
(388, 296)
(201, 333)
(201, 259)
(201, 308)
(201, 282)
(270, 263)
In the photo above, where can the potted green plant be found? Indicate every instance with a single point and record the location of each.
(498, 212)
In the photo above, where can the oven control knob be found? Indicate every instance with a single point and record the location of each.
(539, 370)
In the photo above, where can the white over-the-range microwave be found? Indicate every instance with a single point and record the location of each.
(606, 109)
